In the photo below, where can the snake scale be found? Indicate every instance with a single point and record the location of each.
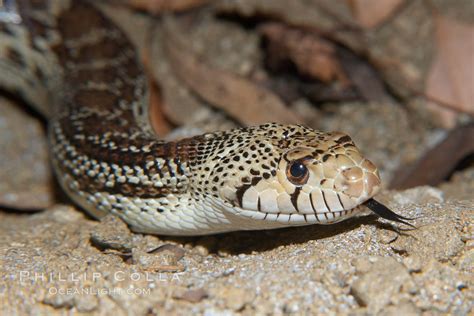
(80, 71)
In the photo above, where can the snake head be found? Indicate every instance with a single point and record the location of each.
(300, 176)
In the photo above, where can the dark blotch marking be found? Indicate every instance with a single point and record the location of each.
(340, 201)
(39, 74)
(240, 193)
(294, 198)
(15, 56)
(325, 202)
(312, 205)
(256, 180)
(170, 169)
(344, 139)
(254, 172)
(179, 167)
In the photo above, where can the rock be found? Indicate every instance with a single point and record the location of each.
(466, 262)
(419, 195)
(163, 259)
(440, 240)
(404, 308)
(379, 283)
(192, 296)
(112, 233)
(387, 236)
(413, 263)
(443, 288)
(460, 186)
(206, 244)
(58, 300)
(27, 183)
(291, 308)
(236, 298)
(86, 303)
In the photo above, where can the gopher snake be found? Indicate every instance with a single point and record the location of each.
(81, 72)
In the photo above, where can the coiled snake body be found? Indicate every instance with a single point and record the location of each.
(81, 72)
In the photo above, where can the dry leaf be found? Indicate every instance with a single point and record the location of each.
(239, 97)
(345, 74)
(366, 79)
(450, 82)
(312, 55)
(439, 162)
(155, 109)
(161, 6)
(370, 13)
(156, 103)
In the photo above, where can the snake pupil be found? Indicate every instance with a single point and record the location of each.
(298, 170)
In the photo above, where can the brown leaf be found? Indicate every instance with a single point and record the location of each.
(438, 163)
(239, 97)
(157, 116)
(451, 77)
(311, 54)
(160, 6)
(370, 13)
(155, 106)
(345, 74)
(364, 77)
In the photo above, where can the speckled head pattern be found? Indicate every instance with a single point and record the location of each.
(285, 173)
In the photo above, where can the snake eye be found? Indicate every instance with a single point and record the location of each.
(297, 172)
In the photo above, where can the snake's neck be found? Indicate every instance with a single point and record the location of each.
(79, 70)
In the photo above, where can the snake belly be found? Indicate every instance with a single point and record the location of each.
(81, 72)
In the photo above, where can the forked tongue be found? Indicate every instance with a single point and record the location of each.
(384, 212)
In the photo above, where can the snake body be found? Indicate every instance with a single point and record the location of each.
(80, 70)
